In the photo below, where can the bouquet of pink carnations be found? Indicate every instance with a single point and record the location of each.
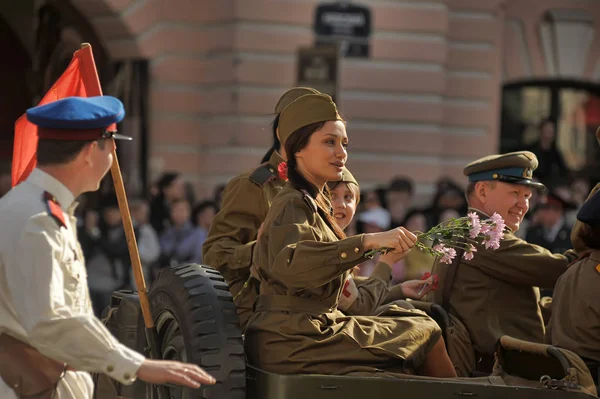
(461, 233)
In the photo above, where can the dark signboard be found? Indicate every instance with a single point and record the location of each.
(343, 19)
(318, 68)
(346, 25)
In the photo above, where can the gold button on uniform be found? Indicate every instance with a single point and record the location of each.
(356, 250)
(126, 376)
(344, 255)
(110, 369)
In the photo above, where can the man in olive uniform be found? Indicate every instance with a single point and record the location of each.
(575, 322)
(234, 230)
(496, 292)
(50, 339)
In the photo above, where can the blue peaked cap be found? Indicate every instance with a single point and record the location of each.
(79, 113)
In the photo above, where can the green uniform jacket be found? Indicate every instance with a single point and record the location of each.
(575, 321)
(233, 232)
(297, 328)
(367, 296)
(497, 292)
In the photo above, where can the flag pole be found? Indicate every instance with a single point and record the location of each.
(136, 264)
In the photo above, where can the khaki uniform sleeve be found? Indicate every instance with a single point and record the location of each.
(372, 290)
(297, 256)
(395, 294)
(233, 232)
(578, 244)
(519, 262)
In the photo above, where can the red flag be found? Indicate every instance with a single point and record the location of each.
(79, 79)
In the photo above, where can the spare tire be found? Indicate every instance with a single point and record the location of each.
(197, 322)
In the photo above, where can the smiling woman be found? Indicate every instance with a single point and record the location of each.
(303, 259)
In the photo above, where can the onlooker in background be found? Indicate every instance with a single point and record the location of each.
(371, 201)
(170, 187)
(181, 242)
(399, 197)
(218, 195)
(147, 239)
(88, 232)
(580, 188)
(449, 195)
(552, 231)
(448, 214)
(203, 214)
(373, 220)
(551, 160)
(190, 194)
(109, 264)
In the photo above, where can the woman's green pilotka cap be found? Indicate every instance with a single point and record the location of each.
(292, 94)
(304, 111)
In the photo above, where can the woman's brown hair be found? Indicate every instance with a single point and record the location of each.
(296, 142)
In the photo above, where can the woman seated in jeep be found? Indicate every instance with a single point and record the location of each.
(303, 259)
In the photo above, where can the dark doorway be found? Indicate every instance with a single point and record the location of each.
(572, 106)
(14, 89)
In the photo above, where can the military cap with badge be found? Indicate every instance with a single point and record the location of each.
(78, 118)
(513, 167)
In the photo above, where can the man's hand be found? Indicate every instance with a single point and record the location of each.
(164, 372)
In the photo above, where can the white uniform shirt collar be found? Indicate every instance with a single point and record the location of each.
(48, 183)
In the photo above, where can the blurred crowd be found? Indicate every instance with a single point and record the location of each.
(171, 225)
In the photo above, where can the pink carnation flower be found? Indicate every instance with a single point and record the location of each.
(449, 254)
(469, 252)
(475, 224)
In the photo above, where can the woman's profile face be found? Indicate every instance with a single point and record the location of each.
(325, 155)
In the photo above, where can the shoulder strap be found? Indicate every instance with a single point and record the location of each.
(450, 277)
(263, 174)
(310, 201)
(54, 209)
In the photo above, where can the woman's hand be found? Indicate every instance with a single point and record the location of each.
(391, 258)
(400, 240)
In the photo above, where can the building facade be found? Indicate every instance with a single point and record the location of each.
(443, 80)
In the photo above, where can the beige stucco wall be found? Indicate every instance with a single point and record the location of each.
(424, 104)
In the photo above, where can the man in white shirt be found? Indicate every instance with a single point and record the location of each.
(45, 309)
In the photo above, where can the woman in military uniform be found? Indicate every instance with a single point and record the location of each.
(364, 296)
(234, 230)
(303, 259)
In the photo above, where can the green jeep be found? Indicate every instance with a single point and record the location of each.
(197, 322)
